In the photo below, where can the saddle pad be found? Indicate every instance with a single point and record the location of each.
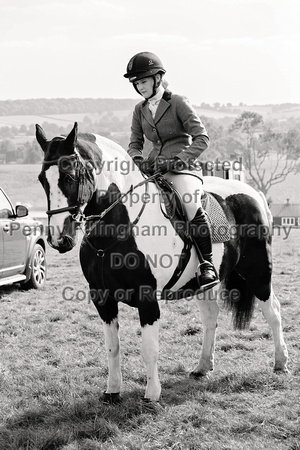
(220, 227)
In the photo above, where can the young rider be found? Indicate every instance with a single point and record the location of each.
(178, 138)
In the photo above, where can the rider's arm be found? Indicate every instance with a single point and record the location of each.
(136, 144)
(194, 127)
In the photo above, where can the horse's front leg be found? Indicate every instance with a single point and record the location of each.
(150, 352)
(109, 315)
(112, 345)
(271, 312)
(149, 318)
(209, 311)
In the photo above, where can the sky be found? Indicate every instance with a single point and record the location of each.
(214, 51)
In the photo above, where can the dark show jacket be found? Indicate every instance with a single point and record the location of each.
(176, 130)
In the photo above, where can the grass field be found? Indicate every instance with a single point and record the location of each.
(53, 366)
(20, 182)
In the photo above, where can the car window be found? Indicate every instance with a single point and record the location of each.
(5, 207)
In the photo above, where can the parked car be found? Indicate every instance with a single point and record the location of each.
(22, 246)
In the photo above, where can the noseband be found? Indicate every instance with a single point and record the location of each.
(52, 212)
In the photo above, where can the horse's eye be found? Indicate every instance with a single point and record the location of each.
(65, 165)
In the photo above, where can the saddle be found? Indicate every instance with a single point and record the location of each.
(175, 211)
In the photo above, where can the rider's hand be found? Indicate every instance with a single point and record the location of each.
(143, 165)
(138, 161)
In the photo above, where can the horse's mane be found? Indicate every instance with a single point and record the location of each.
(111, 158)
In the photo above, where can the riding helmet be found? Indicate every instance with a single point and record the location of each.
(142, 65)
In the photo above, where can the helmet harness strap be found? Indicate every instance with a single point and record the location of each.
(156, 85)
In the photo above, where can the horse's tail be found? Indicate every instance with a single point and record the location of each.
(239, 299)
(267, 210)
(251, 277)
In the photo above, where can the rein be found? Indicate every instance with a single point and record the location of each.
(130, 190)
(100, 252)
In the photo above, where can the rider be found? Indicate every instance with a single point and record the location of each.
(178, 138)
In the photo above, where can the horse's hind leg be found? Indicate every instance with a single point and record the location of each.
(209, 311)
(271, 312)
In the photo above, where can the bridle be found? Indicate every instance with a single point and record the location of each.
(80, 171)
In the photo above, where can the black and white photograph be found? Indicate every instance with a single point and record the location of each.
(149, 225)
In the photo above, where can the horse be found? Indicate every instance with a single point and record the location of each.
(91, 182)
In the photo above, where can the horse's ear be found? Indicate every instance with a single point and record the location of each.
(40, 136)
(71, 139)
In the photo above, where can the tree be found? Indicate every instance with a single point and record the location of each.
(216, 135)
(268, 156)
(23, 129)
(5, 132)
(32, 153)
(8, 148)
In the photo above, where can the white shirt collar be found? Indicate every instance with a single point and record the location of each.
(157, 97)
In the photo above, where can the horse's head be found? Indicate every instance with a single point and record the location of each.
(68, 178)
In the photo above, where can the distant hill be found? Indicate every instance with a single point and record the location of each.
(44, 106)
(63, 106)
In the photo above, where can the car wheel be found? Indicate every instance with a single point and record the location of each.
(38, 268)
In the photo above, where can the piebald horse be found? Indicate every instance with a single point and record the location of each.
(87, 180)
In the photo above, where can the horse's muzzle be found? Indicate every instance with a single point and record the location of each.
(64, 244)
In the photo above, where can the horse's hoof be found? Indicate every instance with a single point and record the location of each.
(148, 400)
(111, 399)
(281, 370)
(198, 375)
(151, 405)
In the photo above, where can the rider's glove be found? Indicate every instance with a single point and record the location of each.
(143, 165)
(138, 161)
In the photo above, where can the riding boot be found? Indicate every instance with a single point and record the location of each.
(201, 237)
